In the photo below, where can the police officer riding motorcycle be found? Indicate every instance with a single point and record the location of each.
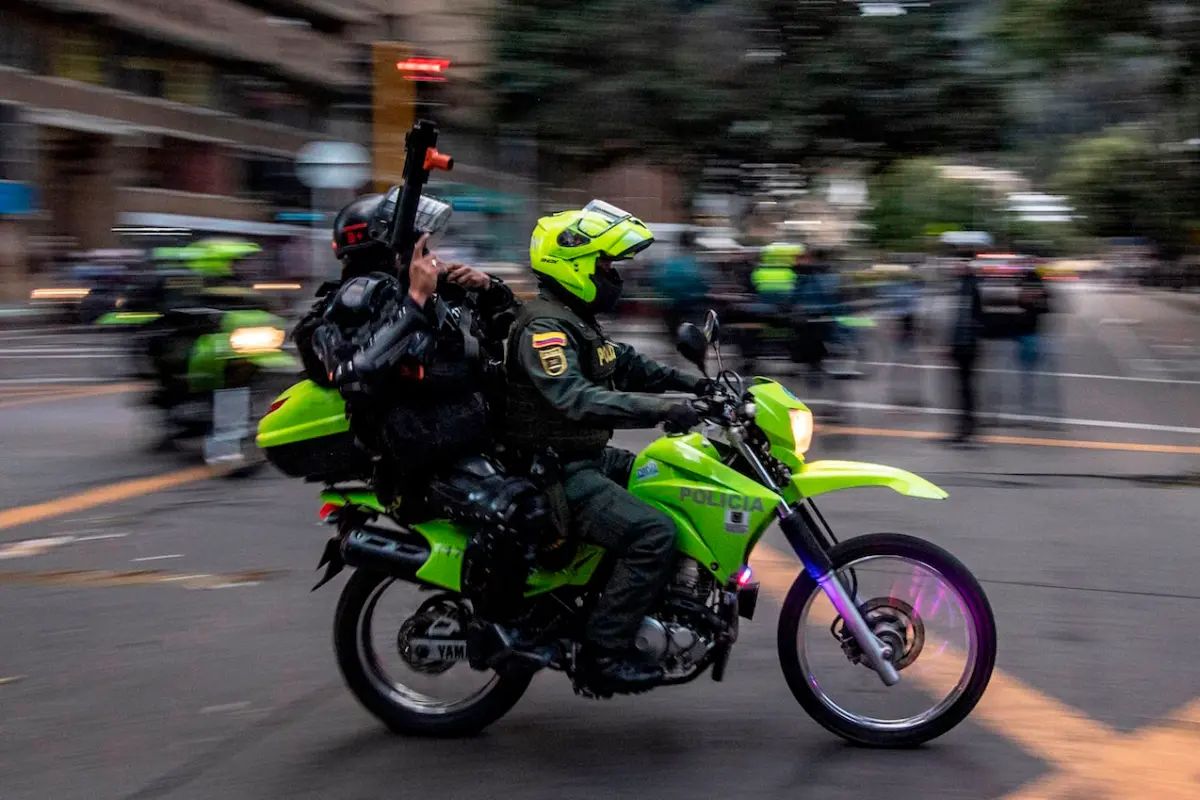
(570, 385)
(416, 354)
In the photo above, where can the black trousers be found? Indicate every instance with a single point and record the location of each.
(964, 373)
(642, 539)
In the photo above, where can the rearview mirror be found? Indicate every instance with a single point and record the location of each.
(712, 327)
(692, 344)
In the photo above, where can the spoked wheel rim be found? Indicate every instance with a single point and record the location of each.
(927, 621)
(401, 689)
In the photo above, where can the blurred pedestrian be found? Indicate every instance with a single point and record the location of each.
(966, 323)
(683, 283)
(903, 298)
(817, 304)
(1033, 297)
(769, 316)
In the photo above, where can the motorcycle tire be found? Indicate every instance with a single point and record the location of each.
(358, 597)
(956, 574)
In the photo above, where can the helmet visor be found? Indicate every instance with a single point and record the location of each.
(600, 217)
(632, 242)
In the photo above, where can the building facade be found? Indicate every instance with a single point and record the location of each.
(119, 113)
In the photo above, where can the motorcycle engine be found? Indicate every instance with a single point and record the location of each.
(674, 645)
(671, 639)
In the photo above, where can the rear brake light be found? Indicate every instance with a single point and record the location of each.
(275, 406)
(327, 510)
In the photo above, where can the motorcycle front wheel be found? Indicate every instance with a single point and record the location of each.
(926, 607)
(382, 635)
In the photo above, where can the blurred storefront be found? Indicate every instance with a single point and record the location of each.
(112, 110)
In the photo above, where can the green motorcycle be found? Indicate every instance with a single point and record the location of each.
(884, 639)
(213, 373)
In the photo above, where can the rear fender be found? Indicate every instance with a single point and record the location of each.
(821, 477)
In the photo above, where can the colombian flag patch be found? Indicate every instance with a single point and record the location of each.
(549, 339)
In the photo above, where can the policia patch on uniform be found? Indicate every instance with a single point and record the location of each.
(554, 361)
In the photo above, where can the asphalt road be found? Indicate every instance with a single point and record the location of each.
(158, 638)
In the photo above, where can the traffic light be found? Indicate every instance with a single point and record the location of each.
(419, 68)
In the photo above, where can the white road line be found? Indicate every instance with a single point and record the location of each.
(74, 357)
(158, 558)
(42, 349)
(32, 547)
(97, 537)
(192, 577)
(996, 370)
(219, 709)
(11, 679)
(1083, 423)
(40, 381)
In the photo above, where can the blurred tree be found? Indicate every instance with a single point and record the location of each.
(1125, 185)
(913, 203)
(784, 80)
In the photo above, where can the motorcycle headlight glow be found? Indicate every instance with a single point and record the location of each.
(256, 340)
(802, 429)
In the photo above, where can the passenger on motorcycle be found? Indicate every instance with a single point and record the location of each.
(569, 386)
(412, 351)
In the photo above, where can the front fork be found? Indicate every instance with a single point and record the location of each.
(798, 525)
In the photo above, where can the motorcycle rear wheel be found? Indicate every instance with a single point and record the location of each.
(402, 708)
(928, 662)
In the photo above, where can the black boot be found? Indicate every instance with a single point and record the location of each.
(608, 671)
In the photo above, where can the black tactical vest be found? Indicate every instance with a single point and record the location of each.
(531, 423)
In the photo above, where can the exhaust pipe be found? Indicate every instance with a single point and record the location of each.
(396, 553)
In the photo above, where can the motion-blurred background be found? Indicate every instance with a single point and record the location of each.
(821, 172)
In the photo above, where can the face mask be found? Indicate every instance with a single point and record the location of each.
(608, 290)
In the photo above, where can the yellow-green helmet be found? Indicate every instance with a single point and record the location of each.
(214, 258)
(564, 246)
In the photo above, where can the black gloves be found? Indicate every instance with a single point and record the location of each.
(681, 418)
(704, 387)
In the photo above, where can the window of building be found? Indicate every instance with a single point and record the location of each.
(21, 43)
(79, 56)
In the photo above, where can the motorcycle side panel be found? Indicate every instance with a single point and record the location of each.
(720, 514)
(366, 499)
(206, 365)
(820, 477)
(448, 543)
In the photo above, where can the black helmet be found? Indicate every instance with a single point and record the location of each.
(358, 251)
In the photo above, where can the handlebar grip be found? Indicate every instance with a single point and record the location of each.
(437, 160)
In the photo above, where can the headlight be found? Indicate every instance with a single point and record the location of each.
(802, 429)
(256, 340)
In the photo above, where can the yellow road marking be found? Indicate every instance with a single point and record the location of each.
(103, 495)
(11, 679)
(1022, 441)
(1091, 759)
(29, 398)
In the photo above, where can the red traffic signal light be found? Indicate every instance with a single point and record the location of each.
(423, 69)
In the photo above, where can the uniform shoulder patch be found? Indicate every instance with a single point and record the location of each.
(554, 361)
(549, 339)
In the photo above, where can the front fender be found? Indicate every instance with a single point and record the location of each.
(819, 477)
